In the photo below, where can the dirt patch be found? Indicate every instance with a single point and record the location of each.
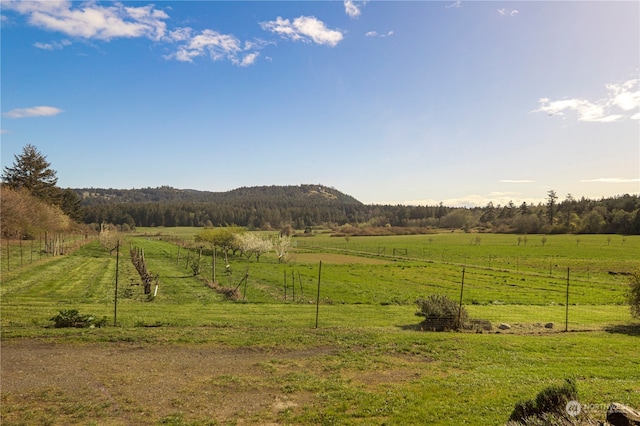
(48, 383)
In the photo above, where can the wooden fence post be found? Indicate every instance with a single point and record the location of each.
(566, 319)
(461, 292)
(318, 297)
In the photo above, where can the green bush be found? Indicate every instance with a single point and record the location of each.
(441, 313)
(73, 318)
(551, 400)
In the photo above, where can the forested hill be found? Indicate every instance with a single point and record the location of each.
(287, 195)
(256, 207)
(273, 207)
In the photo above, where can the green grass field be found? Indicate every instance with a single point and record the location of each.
(366, 362)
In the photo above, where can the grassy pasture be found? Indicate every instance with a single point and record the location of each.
(365, 364)
(16, 253)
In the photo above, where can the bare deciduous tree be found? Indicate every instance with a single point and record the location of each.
(109, 237)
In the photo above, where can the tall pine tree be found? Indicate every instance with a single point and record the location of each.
(31, 171)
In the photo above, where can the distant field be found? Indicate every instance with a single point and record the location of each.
(366, 363)
(336, 259)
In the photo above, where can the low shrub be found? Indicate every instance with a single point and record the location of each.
(441, 313)
(73, 318)
(228, 292)
(551, 401)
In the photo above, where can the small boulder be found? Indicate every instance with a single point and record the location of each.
(622, 415)
(549, 325)
(504, 326)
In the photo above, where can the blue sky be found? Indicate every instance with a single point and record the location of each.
(391, 102)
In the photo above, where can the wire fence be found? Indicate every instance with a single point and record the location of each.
(516, 293)
(20, 252)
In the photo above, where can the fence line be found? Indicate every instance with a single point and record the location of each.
(20, 252)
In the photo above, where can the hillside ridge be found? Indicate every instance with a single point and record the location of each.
(288, 194)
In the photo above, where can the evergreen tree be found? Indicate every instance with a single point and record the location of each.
(551, 205)
(31, 171)
(71, 205)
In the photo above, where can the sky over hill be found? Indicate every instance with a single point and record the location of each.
(390, 102)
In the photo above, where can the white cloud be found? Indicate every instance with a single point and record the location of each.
(476, 200)
(54, 45)
(37, 111)
(516, 181)
(622, 98)
(208, 42)
(623, 95)
(215, 45)
(3, 131)
(375, 34)
(304, 28)
(456, 5)
(248, 59)
(612, 180)
(180, 34)
(352, 9)
(257, 44)
(92, 21)
(505, 12)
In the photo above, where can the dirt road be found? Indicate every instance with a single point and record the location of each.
(127, 384)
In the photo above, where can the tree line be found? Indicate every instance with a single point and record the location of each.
(32, 202)
(620, 214)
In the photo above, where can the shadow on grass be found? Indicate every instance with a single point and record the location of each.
(628, 329)
(411, 327)
(422, 327)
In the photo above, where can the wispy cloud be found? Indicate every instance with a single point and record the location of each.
(477, 200)
(376, 34)
(92, 21)
(304, 28)
(3, 131)
(207, 42)
(612, 180)
(218, 46)
(215, 45)
(248, 59)
(516, 181)
(620, 102)
(508, 12)
(353, 8)
(37, 111)
(455, 5)
(54, 45)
